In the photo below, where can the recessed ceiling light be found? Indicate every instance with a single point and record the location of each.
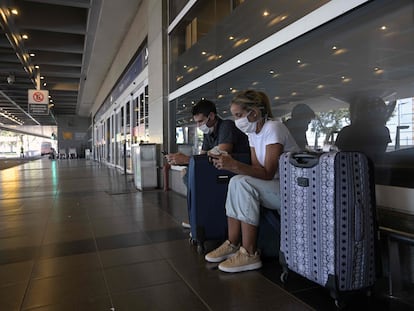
(334, 47)
(298, 61)
(266, 13)
(32, 54)
(25, 37)
(384, 27)
(231, 38)
(14, 11)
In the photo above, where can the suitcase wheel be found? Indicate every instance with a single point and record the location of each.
(284, 276)
(200, 249)
(340, 304)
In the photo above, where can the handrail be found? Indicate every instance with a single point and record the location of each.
(398, 235)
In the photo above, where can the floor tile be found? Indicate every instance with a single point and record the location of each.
(174, 296)
(15, 273)
(129, 255)
(122, 240)
(78, 288)
(11, 297)
(128, 277)
(66, 265)
(67, 248)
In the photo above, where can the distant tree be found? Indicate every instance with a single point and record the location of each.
(329, 123)
(10, 140)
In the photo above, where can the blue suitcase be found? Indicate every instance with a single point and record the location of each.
(328, 222)
(206, 198)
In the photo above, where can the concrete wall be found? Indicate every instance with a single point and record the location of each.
(73, 133)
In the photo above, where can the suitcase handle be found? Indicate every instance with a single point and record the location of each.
(305, 160)
(359, 222)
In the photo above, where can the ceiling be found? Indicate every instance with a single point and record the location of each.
(73, 43)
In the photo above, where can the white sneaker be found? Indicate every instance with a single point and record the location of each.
(222, 252)
(241, 261)
(185, 225)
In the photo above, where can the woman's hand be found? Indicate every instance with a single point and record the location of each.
(223, 161)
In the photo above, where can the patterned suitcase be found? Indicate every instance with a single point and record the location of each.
(328, 223)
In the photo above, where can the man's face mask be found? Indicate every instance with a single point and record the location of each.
(205, 129)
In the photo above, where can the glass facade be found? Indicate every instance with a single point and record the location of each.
(366, 52)
(215, 31)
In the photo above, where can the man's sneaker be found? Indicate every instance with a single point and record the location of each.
(223, 252)
(185, 225)
(242, 261)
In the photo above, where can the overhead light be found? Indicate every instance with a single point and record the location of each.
(14, 11)
(32, 54)
(25, 37)
(37, 66)
(266, 13)
(384, 27)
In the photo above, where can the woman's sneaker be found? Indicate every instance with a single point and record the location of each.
(241, 261)
(223, 252)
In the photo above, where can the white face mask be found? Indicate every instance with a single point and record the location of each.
(205, 129)
(244, 125)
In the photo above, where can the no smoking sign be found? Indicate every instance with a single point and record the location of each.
(38, 97)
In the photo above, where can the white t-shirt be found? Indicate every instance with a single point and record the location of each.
(273, 132)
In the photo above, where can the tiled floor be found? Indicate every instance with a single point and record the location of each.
(76, 235)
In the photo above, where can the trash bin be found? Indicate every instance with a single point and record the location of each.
(144, 165)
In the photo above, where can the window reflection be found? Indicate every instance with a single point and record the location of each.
(368, 49)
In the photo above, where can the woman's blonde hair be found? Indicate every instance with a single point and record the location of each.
(249, 99)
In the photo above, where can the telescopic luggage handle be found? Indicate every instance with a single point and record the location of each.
(304, 159)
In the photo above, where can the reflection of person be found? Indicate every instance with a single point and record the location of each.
(217, 133)
(256, 185)
(367, 132)
(297, 125)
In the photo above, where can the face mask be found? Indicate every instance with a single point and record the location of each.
(244, 125)
(205, 129)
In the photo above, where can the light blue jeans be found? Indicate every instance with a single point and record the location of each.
(246, 194)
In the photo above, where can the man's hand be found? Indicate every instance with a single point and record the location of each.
(177, 158)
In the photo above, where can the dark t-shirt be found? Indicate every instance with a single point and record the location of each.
(369, 139)
(226, 132)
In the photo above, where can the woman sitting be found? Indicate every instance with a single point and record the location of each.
(255, 185)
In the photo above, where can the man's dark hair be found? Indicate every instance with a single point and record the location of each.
(204, 106)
